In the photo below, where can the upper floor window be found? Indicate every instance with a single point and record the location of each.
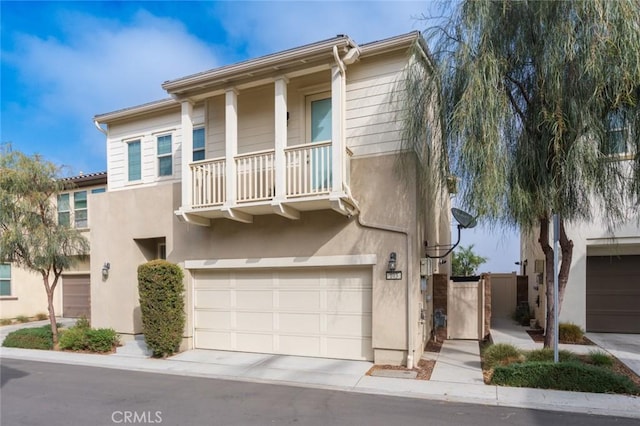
(617, 132)
(64, 210)
(165, 158)
(80, 209)
(98, 190)
(134, 159)
(198, 144)
(5, 279)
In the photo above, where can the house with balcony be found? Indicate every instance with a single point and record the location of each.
(22, 292)
(280, 186)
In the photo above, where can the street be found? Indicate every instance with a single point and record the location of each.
(35, 393)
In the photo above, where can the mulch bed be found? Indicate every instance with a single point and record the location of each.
(538, 337)
(424, 369)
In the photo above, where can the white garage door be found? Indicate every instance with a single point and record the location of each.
(310, 312)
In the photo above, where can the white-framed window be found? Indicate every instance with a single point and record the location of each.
(80, 216)
(64, 209)
(98, 190)
(198, 144)
(165, 155)
(5, 279)
(134, 160)
(618, 134)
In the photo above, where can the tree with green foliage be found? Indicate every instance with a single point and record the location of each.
(30, 235)
(464, 262)
(538, 105)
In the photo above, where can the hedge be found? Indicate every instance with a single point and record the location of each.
(30, 338)
(161, 293)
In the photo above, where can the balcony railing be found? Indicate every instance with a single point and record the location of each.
(308, 172)
(208, 179)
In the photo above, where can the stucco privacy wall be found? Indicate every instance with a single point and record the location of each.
(589, 239)
(149, 214)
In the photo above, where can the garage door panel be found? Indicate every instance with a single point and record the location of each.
(212, 299)
(613, 294)
(299, 323)
(213, 319)
(286, 311)
(299, 300)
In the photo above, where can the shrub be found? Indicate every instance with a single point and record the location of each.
(522, 314)
(600, 359)
(101, 339)
(83, 322)
(6, 321)
(74, 339)
(30, 338)
(570, 333)
(501, 354)
(162, 306)
(41, 316)
(546, 355)
(22, 318)
(568, 376)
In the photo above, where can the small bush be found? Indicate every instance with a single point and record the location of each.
(569, 376)
(6, 321)
(501, 354)
(162, 306)
(41, 316)
(546, 355)
(570, 333)
(22, 318)
(74, 339)
(83, 322)
(30, 338)
(600, 359)
(522, 314)
(101, 339)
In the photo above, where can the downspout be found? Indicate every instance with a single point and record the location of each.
(405, 232)
(95, 123)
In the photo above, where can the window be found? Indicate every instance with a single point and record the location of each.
(80, 209)
(617, 134)
(64, 210)
(319, 131)
(134, 161)
(5, 279)
(162, 251)
(165, 159)
(198, 144)
(98, 190)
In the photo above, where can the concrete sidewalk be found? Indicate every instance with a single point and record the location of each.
(456, 378)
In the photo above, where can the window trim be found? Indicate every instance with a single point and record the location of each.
(10, 295)
(68, 211)
(159, 156)
(128, 143)
(204, 146)
(85, 209)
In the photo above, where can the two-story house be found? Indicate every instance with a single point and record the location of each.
(277, 185)
(22, 292)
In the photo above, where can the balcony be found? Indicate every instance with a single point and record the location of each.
(307, 177)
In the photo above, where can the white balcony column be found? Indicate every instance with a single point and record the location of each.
(187, 153)
(338, 98)
(231, 144)
(280, 137)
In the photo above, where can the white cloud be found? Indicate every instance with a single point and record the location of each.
(103, 65)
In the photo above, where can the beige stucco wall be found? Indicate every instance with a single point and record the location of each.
(28, 295)
(147, 212)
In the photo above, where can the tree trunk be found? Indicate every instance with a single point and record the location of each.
(566, 247)
(51, 308)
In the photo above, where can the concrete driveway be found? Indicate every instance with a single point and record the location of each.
(625, 347)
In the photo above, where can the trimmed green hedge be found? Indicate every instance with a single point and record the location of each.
(82, 338)
(162, 305)
(30, 338)
(570, 376)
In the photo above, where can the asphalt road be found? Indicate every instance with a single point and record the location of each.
(35, 393)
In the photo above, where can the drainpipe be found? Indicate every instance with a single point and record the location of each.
(95, 123)
(405, 232)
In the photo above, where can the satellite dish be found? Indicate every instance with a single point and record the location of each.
(464, 219)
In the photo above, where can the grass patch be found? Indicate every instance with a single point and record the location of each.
(30, 338)
(41, 316)
(546, 355)
(6, 321)
(22, 318)
(501, 354)
(570, 333)
(600, 359)
(569, 376)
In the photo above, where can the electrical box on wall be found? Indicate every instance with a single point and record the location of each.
(425, 267)
(538, 266)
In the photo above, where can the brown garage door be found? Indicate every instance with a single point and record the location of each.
(613, 294)
(76, 296)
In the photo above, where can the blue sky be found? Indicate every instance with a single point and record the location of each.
(64, 62)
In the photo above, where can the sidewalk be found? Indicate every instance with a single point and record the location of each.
(457, 376)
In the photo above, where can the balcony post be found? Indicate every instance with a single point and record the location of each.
(187, 150)
(337, 128)
(280, 137)
(231, 144)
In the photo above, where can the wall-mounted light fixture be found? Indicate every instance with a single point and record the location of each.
(105, 270)
(524, 264)
(465, 221)
(392, 274)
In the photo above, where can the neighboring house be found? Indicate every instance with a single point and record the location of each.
(603, 291)
(276, 184)
(22, 292)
